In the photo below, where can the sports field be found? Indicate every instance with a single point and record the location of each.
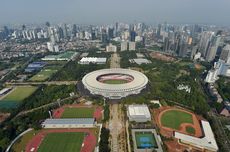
(44, 74)
(145, 140)
(17, 95)
(78, 113)
(174, 118)
(20, 93)
(62, 142)
(115, 81)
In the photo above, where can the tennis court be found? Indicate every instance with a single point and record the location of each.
(145, 140)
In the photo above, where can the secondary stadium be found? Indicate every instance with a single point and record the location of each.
(115, 83)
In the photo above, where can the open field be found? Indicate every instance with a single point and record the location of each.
(20, 93)
(44, 74)
(78, 113)
(174, 118)
(60, 142)
(190, 130)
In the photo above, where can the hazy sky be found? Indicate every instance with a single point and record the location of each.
(110, 11)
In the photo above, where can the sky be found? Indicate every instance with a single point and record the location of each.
(111, 11)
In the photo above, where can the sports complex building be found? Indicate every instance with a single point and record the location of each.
(115, 83)
(138, 113)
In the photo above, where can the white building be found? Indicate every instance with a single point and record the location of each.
(111, 48)
(56, 48)
(124, 46)
(50, 46)
(225, 54)
(69, 123)
(87, 60)
(138, 113)
(132, 46)
(140, 61)
(206, 143)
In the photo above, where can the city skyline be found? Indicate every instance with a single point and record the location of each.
(107, 11)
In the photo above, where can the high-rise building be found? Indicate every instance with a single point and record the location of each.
(205, 42)
(124, 46)
(111, 33)
(225, 54)
(132, 46)
(132, 36)
(104, 37)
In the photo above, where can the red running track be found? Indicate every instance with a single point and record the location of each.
(89, 141)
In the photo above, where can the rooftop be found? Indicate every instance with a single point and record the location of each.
(75, 121)
(207, 142)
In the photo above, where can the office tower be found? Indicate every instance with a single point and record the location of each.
(111, 33)
(116, 29)
(225, 54)
(124, 46)
(61, 33)
(132, 36)
(65, 31)
(104, 38)
(166, 44)
(212, 50)
(74, 30)
(205, 42)
(183, 49)
(132, 46)
(159, 31)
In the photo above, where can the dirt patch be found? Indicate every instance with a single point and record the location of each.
(163, 57)
(4, 116)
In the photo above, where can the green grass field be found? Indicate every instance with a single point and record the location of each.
(174, 118)
(20, 145)
(145, 138)
(62, 142)
(78, 113)
(115, 81)
(190, 130)
(20, 93)
(44, 74)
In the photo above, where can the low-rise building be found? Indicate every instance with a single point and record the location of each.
(138, 113)
(140, 61)
(69, 123)
(206, 143)
(95, 60)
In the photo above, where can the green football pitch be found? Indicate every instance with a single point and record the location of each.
(174, 118)
(62, 142)
(78, 113)
(115, 81)
(20, 93)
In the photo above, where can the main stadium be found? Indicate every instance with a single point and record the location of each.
(115, 83)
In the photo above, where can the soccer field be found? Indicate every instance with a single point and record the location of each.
(115, 81)
(62, 142)
(20, 93)
(44, 74)
(78, 113)
(174, 118)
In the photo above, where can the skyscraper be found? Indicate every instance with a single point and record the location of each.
(225, 54)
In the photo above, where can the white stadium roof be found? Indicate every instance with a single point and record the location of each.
(117, 91)
(207, 142)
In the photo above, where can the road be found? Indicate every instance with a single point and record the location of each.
(46, 83)
(115, 61)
